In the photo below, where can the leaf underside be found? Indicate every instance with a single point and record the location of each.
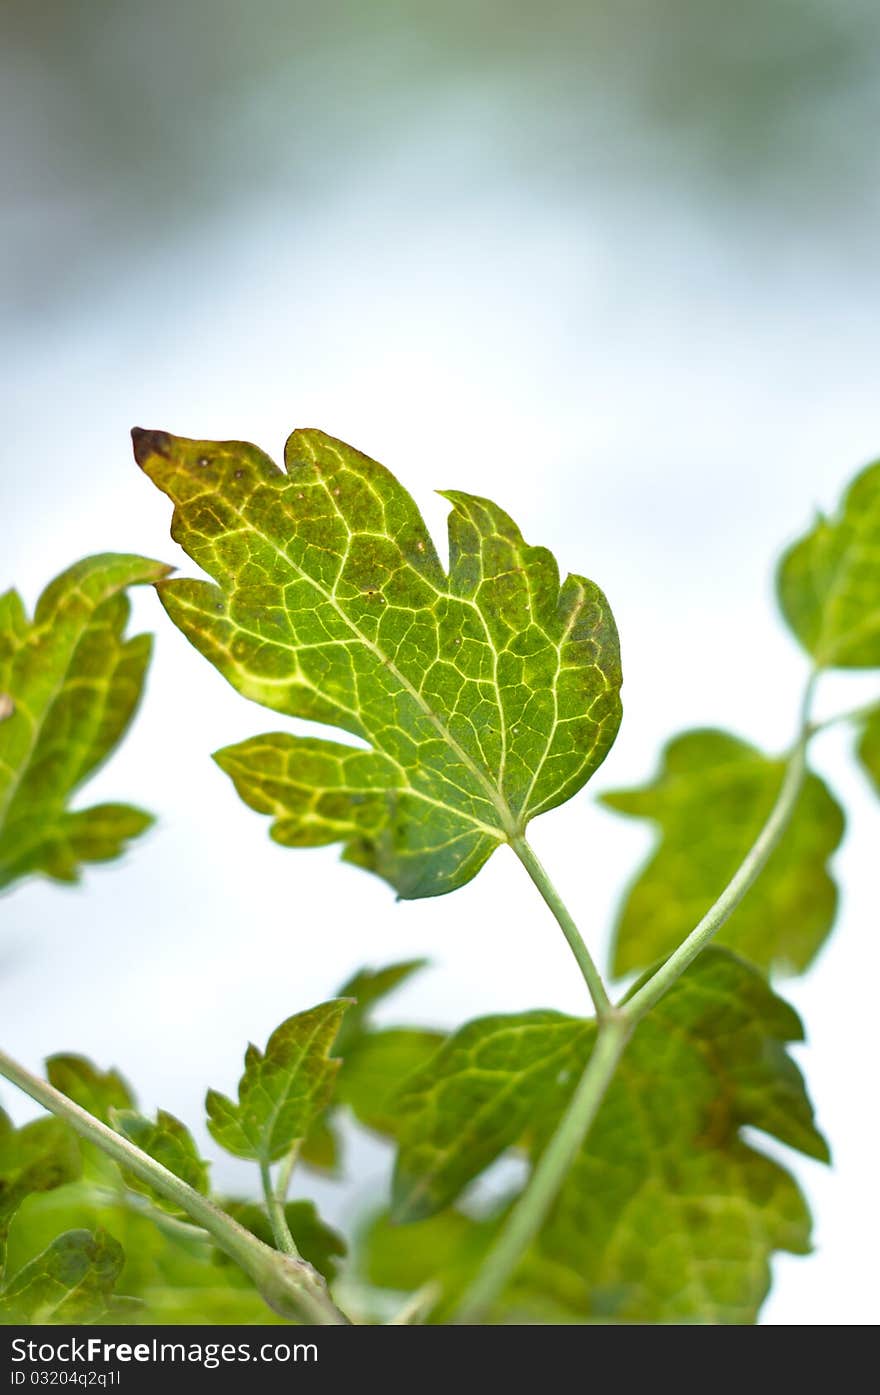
(710, 800)
(667, 1214)
(828, 582)
(485, 696)
(69, 686)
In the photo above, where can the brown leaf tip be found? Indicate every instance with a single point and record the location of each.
(149, 443)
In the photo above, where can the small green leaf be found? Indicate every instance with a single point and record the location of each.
(69, 686)
(710, 800)
(35, 1158)
(171, 1144)
(486, 696)
(283, 1090)
(829, 581)
(667, 1215)
(70, 1282)
(478, 1095)
(317, 1242)
(869, 748)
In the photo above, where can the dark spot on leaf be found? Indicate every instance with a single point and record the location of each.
(147, 443)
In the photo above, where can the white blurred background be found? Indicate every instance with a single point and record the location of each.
(612, 264)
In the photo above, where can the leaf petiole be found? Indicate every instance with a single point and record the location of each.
(277, 1219)
(586, 963)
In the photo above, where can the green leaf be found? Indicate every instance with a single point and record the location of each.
(477, 1096)
(486, 696)
(710, 800)
(35, 1158)
(449, 1246)
(317, 1242)
(829, 581)
(667, 1215)
(70, 1282)
(171, 1144)
(173, 1275)
(373, 1063)
(868, 748)
(283, 1090)
(69, 686)
(99, 1092)
(377, 1066)
(366, 989)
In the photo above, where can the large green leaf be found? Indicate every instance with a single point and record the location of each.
(668, 1214)
(486, 696)
(35, 1158)
(710, 801)
(168, 1141)
(283, 1090)
(70, 1282)
(829, 581)
(69, 686)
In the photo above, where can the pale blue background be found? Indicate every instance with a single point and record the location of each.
(614, 265)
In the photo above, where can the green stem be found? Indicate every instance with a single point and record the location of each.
(530, 1211)
(743, 879)
(592, 977)
(277, 1219)
(616, 1025)
(291, 1287)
